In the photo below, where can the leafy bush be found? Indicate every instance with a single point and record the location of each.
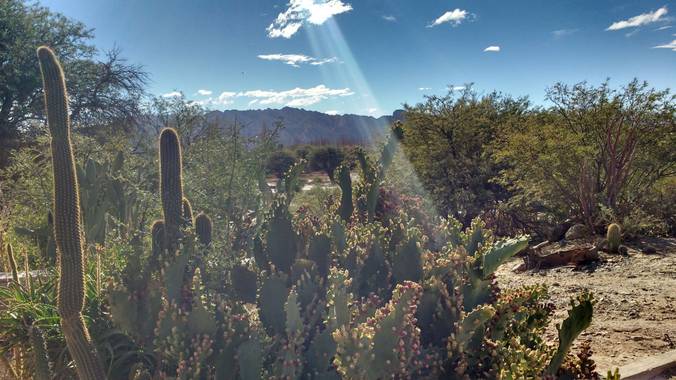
(449, 140)
(596, 147)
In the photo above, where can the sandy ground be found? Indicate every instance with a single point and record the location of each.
(635, 314)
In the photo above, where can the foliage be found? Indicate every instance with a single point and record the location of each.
(596, 147)
(448, 140)
(326, 159)
(102, 91)
(279, 162)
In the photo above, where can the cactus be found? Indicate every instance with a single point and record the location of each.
(387, 344)
(319, 251)
(203, 228)
(12, 263)
(67, 226)
(171, 186)
(188, 218)
(579, 318)
(345, 184)
(244, 283)
(613, 237)
(281, 239)
(42, 365)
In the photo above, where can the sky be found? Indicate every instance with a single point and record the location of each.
(369, 57)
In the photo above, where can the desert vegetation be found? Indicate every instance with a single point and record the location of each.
(140, 239)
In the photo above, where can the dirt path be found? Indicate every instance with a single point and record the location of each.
(635, 314)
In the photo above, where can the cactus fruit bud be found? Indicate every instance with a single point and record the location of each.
(67, 219)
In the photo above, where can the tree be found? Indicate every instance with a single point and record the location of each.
(448, 141)
(101, 92)
(326, 159)
(595, 148)
(279, 163)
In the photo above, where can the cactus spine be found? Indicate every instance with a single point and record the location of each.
(171, 186)
(613, 237)
(67, 228)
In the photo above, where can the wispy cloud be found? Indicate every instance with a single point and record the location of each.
(299, 12)
(204, 92)
(173, 94)
(389, 18)
(424, 88)
(372, 110)
(564, 32)
(671, 45)
(493, 49)
(297, 97)
(663, 27)
(454, 17)
(296, 60)
(331, 112)
(640, 20)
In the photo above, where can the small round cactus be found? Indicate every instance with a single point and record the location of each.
(613, 237)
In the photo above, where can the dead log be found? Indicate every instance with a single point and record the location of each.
(555, 255)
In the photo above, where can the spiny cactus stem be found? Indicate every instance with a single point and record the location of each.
(171, 185)
(12, 263)
(67, 227)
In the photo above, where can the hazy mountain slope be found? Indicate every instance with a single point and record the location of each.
(302, 126)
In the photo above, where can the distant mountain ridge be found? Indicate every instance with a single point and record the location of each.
(305, 127)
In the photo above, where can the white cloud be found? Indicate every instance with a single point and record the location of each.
(424, 88)
(454, 17)
(564, 32)
(204, 92)
(372, 110)
(331, 112)
(494, 49)
(456, 88)
(319, 62)
(296, 59)
(664, 27)
(173, 94)
(389, 18)
(671, 45)
(299, 12)
(642, 19)
(297, 97)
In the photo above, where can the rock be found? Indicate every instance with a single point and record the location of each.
(623, 250)
(577, 231)
(649, 250)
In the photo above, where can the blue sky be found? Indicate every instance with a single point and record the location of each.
(370, 56)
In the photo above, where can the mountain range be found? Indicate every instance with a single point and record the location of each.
(308, 127)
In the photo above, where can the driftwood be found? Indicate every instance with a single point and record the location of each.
(550, 255)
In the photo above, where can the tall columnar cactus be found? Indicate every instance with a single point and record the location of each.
(171, 186)
(613, 236)
(12, 263)
(67, 228)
